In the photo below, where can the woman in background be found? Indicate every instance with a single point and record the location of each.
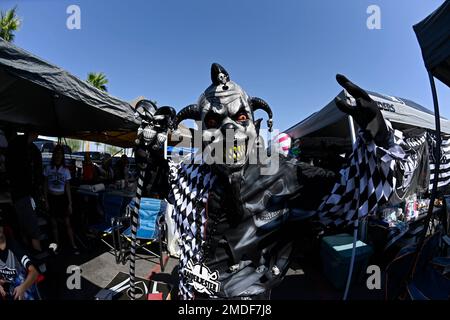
(58, 196)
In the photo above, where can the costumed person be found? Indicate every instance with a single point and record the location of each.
(237, 218)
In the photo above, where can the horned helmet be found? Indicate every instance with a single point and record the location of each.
(230, 133)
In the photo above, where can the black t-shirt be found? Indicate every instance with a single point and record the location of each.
(24, 167)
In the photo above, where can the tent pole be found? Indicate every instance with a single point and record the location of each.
(355, 226)
(352, 129)
(165, 147)
(352, 261)
(437, 156)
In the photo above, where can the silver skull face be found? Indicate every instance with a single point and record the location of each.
(222, 78)
(228, 129)
(226, 114)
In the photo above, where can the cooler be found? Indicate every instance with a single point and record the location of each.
(336, 254)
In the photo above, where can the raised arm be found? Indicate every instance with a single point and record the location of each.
(360, 185)
(377, 166)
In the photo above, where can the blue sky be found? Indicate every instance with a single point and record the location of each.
(286, 52)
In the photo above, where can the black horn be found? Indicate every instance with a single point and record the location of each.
(167, 110)
(192, 111)
(145, 108)
(258, 103)
(170, 114)
(219, 75)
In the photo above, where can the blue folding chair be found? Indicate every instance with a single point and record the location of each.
(113, 209)
(148, 229)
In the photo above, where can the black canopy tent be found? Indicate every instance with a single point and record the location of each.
(36, 94)
(433, 34)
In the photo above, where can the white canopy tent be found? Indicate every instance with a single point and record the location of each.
(330, 126)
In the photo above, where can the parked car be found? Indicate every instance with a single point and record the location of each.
(47, 146)
(96, 156)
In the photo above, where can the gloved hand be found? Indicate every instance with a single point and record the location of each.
(366, 113)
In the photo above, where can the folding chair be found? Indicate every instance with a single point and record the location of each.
(148, 230)
(427, 283)
(113, 209)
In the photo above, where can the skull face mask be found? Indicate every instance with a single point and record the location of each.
(226, 115)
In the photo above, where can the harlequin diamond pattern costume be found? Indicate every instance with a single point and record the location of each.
(238, 219)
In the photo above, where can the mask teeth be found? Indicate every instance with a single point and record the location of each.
(149, 134)
(161, 138)
(238, 152)
(235, 153)
(230, 153)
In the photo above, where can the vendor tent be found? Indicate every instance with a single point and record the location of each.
(433, 34)
(332, 123)
(36, 94)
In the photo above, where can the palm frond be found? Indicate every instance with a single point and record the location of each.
(9, 23)
(98, 80)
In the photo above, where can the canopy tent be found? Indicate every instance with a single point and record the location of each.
(329, 128)
(433, 34)
(36, 94)
(122, 139)
(331, 122)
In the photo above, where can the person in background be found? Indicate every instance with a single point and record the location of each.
(24, 172)
(58, 195)
(121, 169)
(89, 170)
(17, 272)
(106, 171)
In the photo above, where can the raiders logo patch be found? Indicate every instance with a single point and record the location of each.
(201, 278)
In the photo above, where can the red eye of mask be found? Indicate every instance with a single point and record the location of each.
(211, 122)
(241, 117)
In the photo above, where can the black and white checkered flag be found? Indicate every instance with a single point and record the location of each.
(372, 176)
(190, 185)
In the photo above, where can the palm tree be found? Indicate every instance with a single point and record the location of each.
(98, 80)
(9, 23)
